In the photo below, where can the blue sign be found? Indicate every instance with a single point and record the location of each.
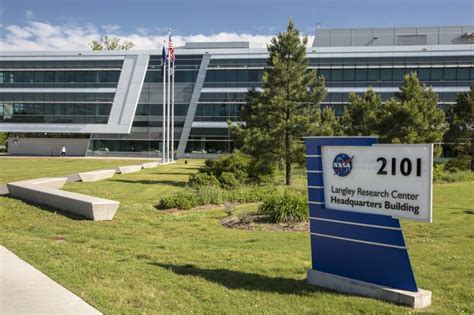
(362, 246)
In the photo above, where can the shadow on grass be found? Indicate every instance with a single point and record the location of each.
(243, 280)
(172, 173)
(152, 182)
(52, 210)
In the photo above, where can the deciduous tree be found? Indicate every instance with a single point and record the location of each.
(111, 43)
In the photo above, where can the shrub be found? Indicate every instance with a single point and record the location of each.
(289, 206)
(203, 179)
(228, 180)
(242, 167)
(462, 163)
(183, 200)
(438, 170)
(246, 194)
(210, 195)
(229, 208)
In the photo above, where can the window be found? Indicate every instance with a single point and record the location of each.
(374, 74)
(336, 75)
(386, 74)
(349, 74)
(361, 74)
(437, 74)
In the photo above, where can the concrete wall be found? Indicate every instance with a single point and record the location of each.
(393, 36)
(47, 146)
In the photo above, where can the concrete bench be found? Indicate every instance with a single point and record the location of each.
(51, 182)
(129, 169)
(95, 176)
(3, 189)
(44, 191)
(150, 164)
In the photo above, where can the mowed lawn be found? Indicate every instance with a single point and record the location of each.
(152, 261)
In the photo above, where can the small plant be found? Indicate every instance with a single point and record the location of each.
(228, 180)
(185, 200)
(289, 206)
(229, 208)
(210, 195)
(203, 179)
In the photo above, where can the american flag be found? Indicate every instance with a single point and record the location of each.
(171, 56)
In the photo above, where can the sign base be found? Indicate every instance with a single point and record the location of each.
(420, 299)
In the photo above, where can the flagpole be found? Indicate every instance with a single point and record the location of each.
(172, 116)
(168, 113)
(163, 146)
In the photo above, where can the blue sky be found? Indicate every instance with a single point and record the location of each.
(147, 20)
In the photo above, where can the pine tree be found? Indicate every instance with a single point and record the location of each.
(287, 109)
(412, 116)
(361, 115)
(330, 125)
(461, 130)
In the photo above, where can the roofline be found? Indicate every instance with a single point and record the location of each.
(115, 54)
(388, 27)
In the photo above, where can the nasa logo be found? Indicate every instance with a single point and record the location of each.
(342, 164)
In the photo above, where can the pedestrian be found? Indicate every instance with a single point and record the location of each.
(63, 151)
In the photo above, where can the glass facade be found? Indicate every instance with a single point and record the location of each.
(81, 107)
(224, 82)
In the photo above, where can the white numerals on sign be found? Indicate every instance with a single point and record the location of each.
(388, 179)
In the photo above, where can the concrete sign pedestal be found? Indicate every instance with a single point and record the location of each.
(419, 299)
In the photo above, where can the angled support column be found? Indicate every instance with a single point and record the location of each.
(183, 141)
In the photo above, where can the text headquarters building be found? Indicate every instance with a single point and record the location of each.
(110, 102)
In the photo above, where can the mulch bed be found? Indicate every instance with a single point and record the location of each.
(256, 222)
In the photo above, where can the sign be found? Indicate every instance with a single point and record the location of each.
(385, 179)
(357, 190)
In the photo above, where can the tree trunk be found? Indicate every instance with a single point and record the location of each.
(287, 160)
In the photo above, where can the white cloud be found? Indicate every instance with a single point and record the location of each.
(35, 35)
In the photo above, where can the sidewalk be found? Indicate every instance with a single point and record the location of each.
(25, 290)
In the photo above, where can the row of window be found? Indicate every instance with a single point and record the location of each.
(58, 64)
(38, 119)
(57, 97)
(241, 78)
(396, 74)
(333, 61)
(61, 77)
(223, 97)
(153, 76)
(8, 109)
(157, 109)
(209, 146)
(105, 146)
(155, 123)
(218, 110)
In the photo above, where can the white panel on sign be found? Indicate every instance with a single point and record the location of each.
(387, 179)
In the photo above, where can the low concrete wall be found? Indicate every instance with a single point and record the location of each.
(150, 164)
(45, 191)
(95, 176)
(47, 146)
(129, 169)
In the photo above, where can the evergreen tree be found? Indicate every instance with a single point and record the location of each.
(287, 109)
(461, 131)
(412, 116)
(361, 115)
(330, 125)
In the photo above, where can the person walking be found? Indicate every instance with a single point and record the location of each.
(63, 151)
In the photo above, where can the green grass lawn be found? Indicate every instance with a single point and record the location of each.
(151, 261)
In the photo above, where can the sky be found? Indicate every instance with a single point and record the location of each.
(72, 24)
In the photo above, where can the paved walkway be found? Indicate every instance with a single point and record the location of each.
(25, 290)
